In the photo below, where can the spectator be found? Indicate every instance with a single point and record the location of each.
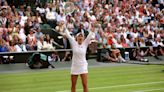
(3, 46)
(28, 25)
(40, 43)
(70, 24)
(31, 37)
(38, 17)
(36, 24)
(129, 40)
(60, 27)
(22, 34)
(12, 46)
(31, 41)
(38, 33)
(118, 44)
(16, 39)
(106, 55)
(122, 23)
(117, 54)
(139, 54)
(48, 45)
(142, 42)
(20, 47)
(4, 31)
(3, 19)
(123, 42)
(28, 12)
(153, 53)
(61, 17)
(103, 41)
(136, 42)
(41, 11)
(51, 18)
(31, 45)
(54, 57)
(21, 10)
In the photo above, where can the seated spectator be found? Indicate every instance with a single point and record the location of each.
(3, 19)
(109, 34)
(7, 40)
(15, 39)
(31, 37)
(60, 27)
(51, 18)
(38, 18)
(117, 54)
(13, 29)
(40, 43)
(118, 44)
(61, 17)
(153, 53)
(93, 46)
(41, 11)
(136, 42)
(31, 45)
(48, 45)
(139, 54)
(106, 55)
(160, 50)
(12, 46)
(28, 26)
(3, 31)
(36, 24)
(3, 46)
(129, 40)
(28, 12)
(20, 47)
(159, 42)
(102, 42)
(142, 42)
(70, 24)
(21, 10)
(53, 57)
(22, 34)
(38, 33)
(45, 44)
(31, 41)
(123, 42)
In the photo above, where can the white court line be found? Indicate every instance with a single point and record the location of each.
(150, 90)
(117, 86)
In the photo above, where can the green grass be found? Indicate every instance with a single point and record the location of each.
(135, 78)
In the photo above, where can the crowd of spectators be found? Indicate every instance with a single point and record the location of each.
(20, 29)
(118, 23)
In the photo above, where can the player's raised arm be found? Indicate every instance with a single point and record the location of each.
(91, 35)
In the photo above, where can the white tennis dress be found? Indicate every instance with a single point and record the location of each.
(79, 62)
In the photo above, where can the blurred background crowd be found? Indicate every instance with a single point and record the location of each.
(117, 23)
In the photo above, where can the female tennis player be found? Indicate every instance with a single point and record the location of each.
(79, 63)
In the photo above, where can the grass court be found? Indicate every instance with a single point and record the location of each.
(128, 78)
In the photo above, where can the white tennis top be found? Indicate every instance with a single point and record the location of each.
(79, 62)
